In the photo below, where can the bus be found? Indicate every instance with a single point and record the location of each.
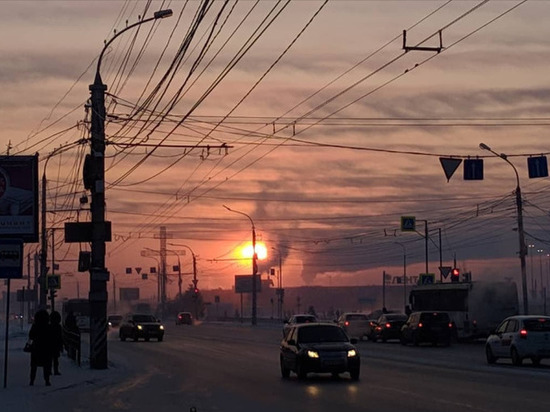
(81, 310)
(475, 308)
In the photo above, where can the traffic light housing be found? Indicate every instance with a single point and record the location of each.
(455, 275)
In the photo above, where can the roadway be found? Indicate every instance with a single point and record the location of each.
(217, 367)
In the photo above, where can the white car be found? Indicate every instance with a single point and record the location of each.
(356, 325)
(518, 338)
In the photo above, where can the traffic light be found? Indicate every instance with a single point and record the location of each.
(195, 293)
(455, 275)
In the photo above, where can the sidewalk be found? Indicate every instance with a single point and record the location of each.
(18, 396)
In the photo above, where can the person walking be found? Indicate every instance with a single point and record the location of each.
(57, 340)
(40, 336)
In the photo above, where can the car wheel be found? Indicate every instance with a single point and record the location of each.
(354, 374)
(416, 341)
(160, 338)
(491, 358)
(285, 372)
(535, 360)
(135, 337)
(122, 337)
(516, 359)
(300, 371)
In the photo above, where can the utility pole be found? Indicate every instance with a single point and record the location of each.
(94, 179)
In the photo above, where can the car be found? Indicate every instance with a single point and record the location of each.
(427, 326)
(354, 324)
(144, 326)
(388, 326)
(318, 348)
(296, 320)
(113, 321)
(520, 337)
(373, 318)
(184, 318)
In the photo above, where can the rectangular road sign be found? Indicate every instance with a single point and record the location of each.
(408, 224)
(54, 282)
(243, 284)
(11, 259)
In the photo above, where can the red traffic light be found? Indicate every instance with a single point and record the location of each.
(455, 272)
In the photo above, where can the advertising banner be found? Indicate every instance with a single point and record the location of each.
(19, 197)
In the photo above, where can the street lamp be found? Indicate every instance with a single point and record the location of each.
(521, 235)
(195, 280)
(404, 273)
(94, 179)
(254, 262)
(280, 291)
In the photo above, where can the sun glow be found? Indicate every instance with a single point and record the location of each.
(247, 251)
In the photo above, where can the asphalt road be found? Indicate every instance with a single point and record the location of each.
(235, 368)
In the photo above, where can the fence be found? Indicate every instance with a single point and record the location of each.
(72, 343)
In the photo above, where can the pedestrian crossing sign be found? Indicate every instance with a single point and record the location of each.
(408, 224)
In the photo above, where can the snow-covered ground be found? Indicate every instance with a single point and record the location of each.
(66, 389)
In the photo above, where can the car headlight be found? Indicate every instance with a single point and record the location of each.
(109, 323)
(312, 354)
(161, 327)
(139, 327)
(352, 353)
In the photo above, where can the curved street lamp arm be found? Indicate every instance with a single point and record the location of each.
(157, 15)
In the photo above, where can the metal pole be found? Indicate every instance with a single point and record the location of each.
(44, 246)
(96, 179)
(52, 290)
(440, 258)
(521, 234)
(426, 239)
(254, 263)
(7, 334)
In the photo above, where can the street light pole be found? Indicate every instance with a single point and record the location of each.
(95, 181)
(404, 273)
(195, 280)
(254, 263)
(521, 234)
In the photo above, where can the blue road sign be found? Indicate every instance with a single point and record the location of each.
(538, 167)
(11, 259)
(408, 223)
(473, 169)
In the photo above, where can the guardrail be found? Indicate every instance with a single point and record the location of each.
(73, 345)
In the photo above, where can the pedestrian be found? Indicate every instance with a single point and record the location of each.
(57, 340)
(71, 324)
(40, 336)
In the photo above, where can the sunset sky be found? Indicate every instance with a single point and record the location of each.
(307, 116)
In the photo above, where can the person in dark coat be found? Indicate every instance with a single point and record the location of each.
(57, 340)
(40, 335)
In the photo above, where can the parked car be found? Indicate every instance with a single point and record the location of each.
(388, 326)
(113, 321)
(136, 326)
(354, 324)
(184, 318)
(298, 319)
(518, 338)
(428, 326)
(318, 348)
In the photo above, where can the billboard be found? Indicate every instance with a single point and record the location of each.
(243, 284)
(19, 197)
(129, 293)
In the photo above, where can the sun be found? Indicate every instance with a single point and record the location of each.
(247, 251)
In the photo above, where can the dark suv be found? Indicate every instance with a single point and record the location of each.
(431, 327)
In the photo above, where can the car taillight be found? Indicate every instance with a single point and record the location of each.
(346, 323)
(388, 325)
(451, 325)
(523, 334)
(420, 325)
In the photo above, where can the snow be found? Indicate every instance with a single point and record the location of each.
(66, 389)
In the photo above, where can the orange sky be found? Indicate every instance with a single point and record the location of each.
(325, 154)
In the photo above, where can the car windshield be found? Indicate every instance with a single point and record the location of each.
(537, 325)
(144, 318)
(434, 317)
(322, 333)
(357, 316)
(396, 317)
(115, 317)
(304, 319)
